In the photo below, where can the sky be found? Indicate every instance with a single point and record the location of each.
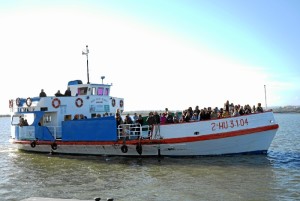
(157, 54)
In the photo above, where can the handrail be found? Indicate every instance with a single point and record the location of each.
(133, 131)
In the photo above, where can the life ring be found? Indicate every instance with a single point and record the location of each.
(33, 144)
(121, 103)
(139, 148)
(28, 101)
(113, 102)
(11, 103)
(54, 146)
(55, 102)
(79, 102)
(18, 101)
(124, 148)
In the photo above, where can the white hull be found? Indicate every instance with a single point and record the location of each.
(248, 143)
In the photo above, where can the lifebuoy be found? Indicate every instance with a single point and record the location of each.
(124, 148)
(113, 102)
(11, 103)
(121, 103)
(18, 101)
(54, 146)
(79, 102)
(28, 101)
(33, 144)
(55, 102)
(139, 148)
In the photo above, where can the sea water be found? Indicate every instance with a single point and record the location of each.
(275, 176)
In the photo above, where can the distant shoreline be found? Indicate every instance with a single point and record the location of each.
(4, 115)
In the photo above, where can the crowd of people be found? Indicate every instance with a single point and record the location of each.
(190, 114)
(229, 110)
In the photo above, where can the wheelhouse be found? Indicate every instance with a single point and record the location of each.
(79, 89)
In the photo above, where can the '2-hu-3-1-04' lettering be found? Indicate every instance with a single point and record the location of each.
(229, 124)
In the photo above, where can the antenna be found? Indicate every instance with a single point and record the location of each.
(265, 97)
(87, 62)
(102, 78)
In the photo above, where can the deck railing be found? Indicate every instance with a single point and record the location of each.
(55, 131)
(133, 131)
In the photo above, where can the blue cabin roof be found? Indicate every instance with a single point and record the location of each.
(74, 82)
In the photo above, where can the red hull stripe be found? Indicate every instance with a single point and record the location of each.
(162, 141)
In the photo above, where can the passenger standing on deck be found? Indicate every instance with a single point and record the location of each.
(163, 118)
(156, 125)
(259, 108)
(128, 119)
(253, 109)
(176, 118)
(58, 94)
(187, 116)
(135, 117)
(119, 119)
(208, 113)
(156, 118)
(169, 118)
(151, 121)
(194, 117)
(43, 94)
(68, 92)
(220, 113)
(197, 111)
(226, 106)
(190, 111)
(247, 109)
(214, 114)
(202, 114)
(241, 110)
(140, 120)
(235, 111)
(166, 110)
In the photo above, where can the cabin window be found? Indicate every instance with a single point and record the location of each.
(47, 119)
(100, 91)
(93, 91)
(106, 92)
(30, 118)
(44, 108)
(82, 91)
(15, 120)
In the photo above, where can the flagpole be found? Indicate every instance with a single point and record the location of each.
(265, 97)
(87, 62)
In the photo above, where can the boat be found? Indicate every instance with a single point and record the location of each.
(71, 125)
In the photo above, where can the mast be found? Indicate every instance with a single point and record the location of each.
(87, 62)
(265, 96)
